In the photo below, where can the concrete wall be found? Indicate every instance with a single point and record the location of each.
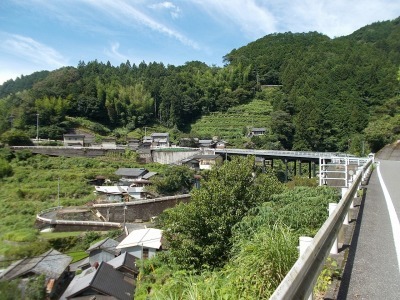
(143, 210)
(170, 157)
(71, 151)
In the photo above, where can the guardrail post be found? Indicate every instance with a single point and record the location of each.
(304, 242)
(347, 217)
(334, 249)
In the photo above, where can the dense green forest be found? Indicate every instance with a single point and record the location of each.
(332, 94)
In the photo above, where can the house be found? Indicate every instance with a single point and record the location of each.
(111, 193)
(130, 174)
(103, 250)
(142, 243)
(207, 161)
(102, 281)
(257, 131)
(74, 140)
(52, 264)
(160, 139)
(126, 264)
(109, 143)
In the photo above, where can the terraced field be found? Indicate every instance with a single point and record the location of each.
(230, 125)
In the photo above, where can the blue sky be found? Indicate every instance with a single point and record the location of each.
(48, 34)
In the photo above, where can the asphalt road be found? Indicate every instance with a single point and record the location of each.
(372, 269)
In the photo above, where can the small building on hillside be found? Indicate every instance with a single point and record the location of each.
(130, 174)
(142, 243)
(103, 250)
(74, 140)
(160, 139)
(257, 131)
(109, 143)
(207, 143)
(207, 161)
(111, 193)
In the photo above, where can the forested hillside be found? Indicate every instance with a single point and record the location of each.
(334, 94)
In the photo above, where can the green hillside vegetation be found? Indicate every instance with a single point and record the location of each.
(236, 122)
(332, 90)
(33, 186)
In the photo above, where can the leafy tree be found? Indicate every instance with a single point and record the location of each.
(176, 179)
(199, 232)
(16, 137)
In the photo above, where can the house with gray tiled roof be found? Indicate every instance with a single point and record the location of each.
(52, 264)
(104, 280)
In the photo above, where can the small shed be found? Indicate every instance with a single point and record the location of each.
(207, 161)
(109, 143)
(142, 243)
(257, 131)
(111, 193)
(129, 174)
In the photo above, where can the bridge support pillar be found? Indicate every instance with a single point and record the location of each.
(286, 170)
(300, 171)
(263, 165)
(309, 169)
(295, 168)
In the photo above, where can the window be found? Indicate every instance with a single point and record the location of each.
(145, 253)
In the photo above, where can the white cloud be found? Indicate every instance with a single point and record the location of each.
(114, 54)
(251, 17)
(174, 10)
(126, 13)
(32, 51)
(337, 18)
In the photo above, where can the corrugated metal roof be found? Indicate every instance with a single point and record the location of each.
(112, 189)
(131, 172)
(149, 238)
(163, 134)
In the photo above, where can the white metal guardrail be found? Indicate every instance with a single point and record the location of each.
(136, 202)
(300, 281)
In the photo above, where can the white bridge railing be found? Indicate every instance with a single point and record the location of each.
(300, 281)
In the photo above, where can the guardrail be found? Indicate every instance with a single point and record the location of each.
(301, 154)
(70, 222)
(300, 281)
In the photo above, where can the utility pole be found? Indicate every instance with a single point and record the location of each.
(58, 191)
(37, 127)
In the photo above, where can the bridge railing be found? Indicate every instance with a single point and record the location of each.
(300, 281)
